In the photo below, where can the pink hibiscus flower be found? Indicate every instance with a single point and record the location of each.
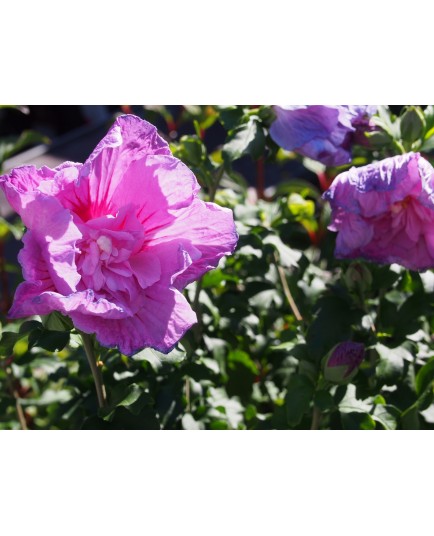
(384, 212)
(112, 242)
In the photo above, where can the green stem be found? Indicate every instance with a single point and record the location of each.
(96, 372)
(398, 145)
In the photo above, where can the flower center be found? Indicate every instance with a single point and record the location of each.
(398, 207)
(108, 253)
(105, 244)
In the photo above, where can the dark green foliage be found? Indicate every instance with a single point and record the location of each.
(268, 314)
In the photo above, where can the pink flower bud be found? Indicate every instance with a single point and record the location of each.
(342, 362)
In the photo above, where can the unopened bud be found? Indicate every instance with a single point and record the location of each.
(412, 124)
(342, 362)
(358, 277)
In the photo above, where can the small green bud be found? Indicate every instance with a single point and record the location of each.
(358, 277)
(412, 124)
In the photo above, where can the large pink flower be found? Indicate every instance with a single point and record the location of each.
(113, 241)
(384, 212)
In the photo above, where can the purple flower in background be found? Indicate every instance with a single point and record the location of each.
(323, 133)
(384, 212)
(113, 241)
(342, 361)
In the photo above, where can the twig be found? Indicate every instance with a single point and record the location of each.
(20, 412)
(316, 418)
(287, 292)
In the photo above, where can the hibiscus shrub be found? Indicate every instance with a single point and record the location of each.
(293, 289)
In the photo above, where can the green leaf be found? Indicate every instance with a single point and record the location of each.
(189, 423)
(391, 366)
(157, 359)
(351, 403)
(425, 377)
(134, 399)
(49, 340)
(410, 418)
(429, 116)
(428, 144)
(55, 321)
(193, 150)
(288, 256)
(378, 138)
(248, 138)
(231, 116)
(331, 325)
(8, 341)
(219, 425)
(412, 124)
(386, 416)
(242, 358)
(357, 421)
(9, 338)
(298, 398)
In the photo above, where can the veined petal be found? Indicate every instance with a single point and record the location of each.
(160, 323)
(209, 229)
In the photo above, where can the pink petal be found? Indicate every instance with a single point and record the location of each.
(162, 321)
(31, 299)
(207, 228)
(128, 140)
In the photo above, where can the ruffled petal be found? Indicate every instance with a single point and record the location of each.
(384, 212)
(160, 323)
(294, 127)
(128, 140)
(372, 189)
(21, 183)
(31, 299)
(156, 185)
(207, 228)
(56, 234)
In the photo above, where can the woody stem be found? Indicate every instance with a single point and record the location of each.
(96, 372)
